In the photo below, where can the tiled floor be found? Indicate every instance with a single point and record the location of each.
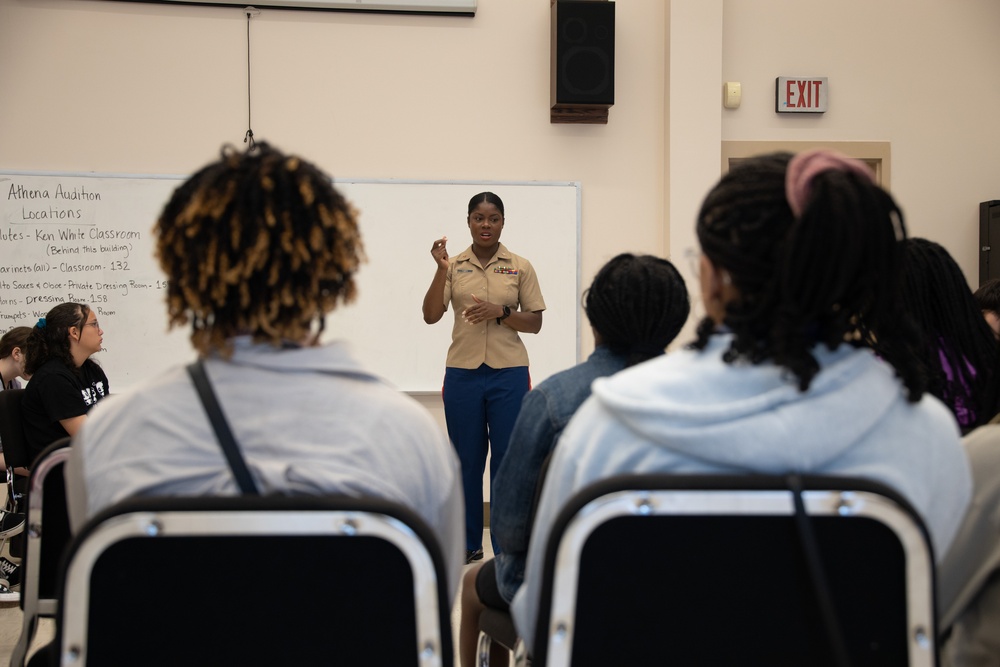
(455, 615)
(11, 619)
(10, 629)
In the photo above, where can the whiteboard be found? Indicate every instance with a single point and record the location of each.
(87, 238)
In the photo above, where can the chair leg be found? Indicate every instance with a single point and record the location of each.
(28, 629)
(521, 658)
(483, 655)
(485, 648)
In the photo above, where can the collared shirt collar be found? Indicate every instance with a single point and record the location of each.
(502, 253)
(334, 357)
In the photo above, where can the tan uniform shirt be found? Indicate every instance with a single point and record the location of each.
(507, 280)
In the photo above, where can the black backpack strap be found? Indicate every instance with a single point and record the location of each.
(222, 431)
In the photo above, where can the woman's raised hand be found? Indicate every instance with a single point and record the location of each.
(439, 252)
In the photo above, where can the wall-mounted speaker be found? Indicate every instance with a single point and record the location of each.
(582, 82)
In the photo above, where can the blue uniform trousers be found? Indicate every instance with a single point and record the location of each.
(480, 408)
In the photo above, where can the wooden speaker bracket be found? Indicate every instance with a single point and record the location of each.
(594, 114)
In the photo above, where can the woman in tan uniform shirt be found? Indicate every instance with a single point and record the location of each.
(495, 296)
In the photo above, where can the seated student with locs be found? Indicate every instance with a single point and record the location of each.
(958, 351)
(258, 247)
(65, 382)
(636, 306)
(801, 260)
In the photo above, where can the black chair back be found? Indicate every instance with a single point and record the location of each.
(709, 570)
(255, 581)
(15, 443)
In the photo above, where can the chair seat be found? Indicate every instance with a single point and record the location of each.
(499, 626)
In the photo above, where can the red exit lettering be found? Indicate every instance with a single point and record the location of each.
(804, 90)
(801, 94)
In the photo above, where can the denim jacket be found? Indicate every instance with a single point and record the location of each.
(545, 411)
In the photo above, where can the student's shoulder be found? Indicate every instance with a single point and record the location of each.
(93, 369)
(932, 415)
(521, 262)
(51, 373)
(157, 393)
(399, 406)
(50, 368)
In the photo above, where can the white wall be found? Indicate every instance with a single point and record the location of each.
(87, 85)
(694, 136)
(132, 87)
(123, 87)
(145, 88)
(920, 74)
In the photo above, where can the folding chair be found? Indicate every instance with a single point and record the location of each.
(250, 580)
(496, 625)
(661, 569)
(15, 444)
(12, 430)
(47, 517)
(15, 451)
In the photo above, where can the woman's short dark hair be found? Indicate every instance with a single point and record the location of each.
(988, 295)
(638, 304)
(486, 198)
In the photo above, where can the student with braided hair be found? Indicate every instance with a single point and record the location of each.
(258, 247)
(957, 348)
(636, 306)
(801, 260)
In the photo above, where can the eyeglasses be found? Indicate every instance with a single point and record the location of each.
(693, 257)
(93, 324)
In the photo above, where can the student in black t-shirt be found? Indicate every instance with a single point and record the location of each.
(65, 381)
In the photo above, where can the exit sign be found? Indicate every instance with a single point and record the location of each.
(801, 94)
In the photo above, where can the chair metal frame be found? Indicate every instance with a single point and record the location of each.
(655, 495)
(32, 603)
(334, 516)
(497, 626)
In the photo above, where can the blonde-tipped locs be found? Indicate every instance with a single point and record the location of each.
(258, 243)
